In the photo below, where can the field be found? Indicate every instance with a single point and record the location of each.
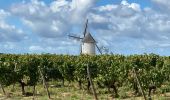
(71, 92)
(65, 77)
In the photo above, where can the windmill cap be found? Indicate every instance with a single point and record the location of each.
(88, 39)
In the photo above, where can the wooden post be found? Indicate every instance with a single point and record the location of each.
(44, 83)
(2, 89)
(140, 87)
(91, 82)
(34, 92)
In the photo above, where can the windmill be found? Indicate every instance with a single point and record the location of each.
(88, 43)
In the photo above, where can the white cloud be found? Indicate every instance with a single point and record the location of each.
(58, 49)
(60, 5)
(9, 32)
(3, 14)
(129, 23)
(51, 23)
(134, 6)
(162, 2)
(36, 48)
(125, 27)
(53, 20)
(80, 9)
(162, 5)
(108, 7)
(129, 27)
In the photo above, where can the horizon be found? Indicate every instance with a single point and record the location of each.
(125, 27)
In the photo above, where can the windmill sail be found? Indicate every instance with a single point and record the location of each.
(88, 43)
(98, 49)
(85, 29)
(75, 37)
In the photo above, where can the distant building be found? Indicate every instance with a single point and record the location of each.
(88, 45)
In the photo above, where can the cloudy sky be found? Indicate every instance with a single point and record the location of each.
(123, 26)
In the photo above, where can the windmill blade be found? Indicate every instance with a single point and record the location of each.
(98, 49)
(85, 29)
(75, 37)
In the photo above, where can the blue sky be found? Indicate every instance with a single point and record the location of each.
(5, 4)
(123, 26)
(143, 3)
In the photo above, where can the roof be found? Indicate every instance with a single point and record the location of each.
(88, 39)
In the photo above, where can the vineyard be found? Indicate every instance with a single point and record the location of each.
(117, 75)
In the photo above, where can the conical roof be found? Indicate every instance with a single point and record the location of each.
(88, 39)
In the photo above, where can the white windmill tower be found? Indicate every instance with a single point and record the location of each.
(88, 43)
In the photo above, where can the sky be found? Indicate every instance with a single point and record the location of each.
(123, 26)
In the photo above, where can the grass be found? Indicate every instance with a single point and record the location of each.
(70, 92)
